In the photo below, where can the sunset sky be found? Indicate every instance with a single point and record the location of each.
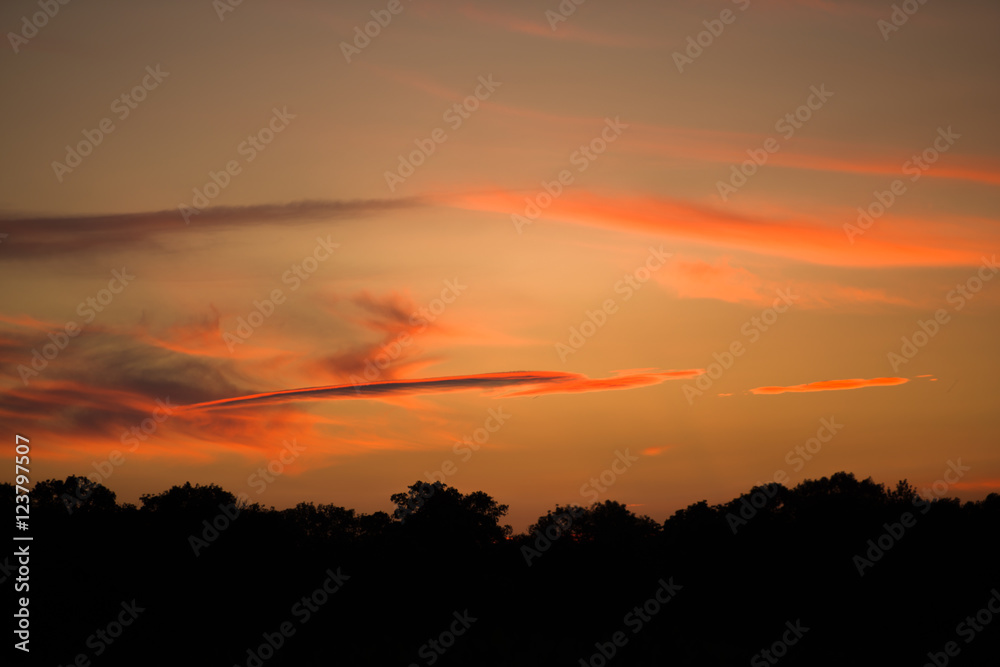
(698, 232)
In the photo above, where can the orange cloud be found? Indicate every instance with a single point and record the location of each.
(398, 320)
(967, 170)
(728, 147)
(817, 242)
(831, 385)
(624, 380)
(696, 279)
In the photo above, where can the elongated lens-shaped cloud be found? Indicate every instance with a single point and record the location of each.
(506, 384)
(831, 385)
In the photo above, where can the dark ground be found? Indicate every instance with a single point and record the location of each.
(451, 574)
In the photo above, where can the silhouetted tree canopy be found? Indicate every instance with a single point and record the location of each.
(76, 494)
(188, 499)
(440, 512)
(880, 576)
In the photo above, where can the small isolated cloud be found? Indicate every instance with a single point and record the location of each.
(697, 279)
(831, 385)
(504, 385)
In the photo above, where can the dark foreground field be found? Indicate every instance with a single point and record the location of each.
(835, 571)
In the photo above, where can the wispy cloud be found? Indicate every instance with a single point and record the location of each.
(831, 385)
(797, 238)
(503, 384)
(728, 147)
(396, 319)
(49, 235)
(725, 281)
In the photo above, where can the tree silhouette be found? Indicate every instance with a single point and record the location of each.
(74, 494)
(443, 552)
(198, 499)
(440, 512)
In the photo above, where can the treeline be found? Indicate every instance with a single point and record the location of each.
(833, 571)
